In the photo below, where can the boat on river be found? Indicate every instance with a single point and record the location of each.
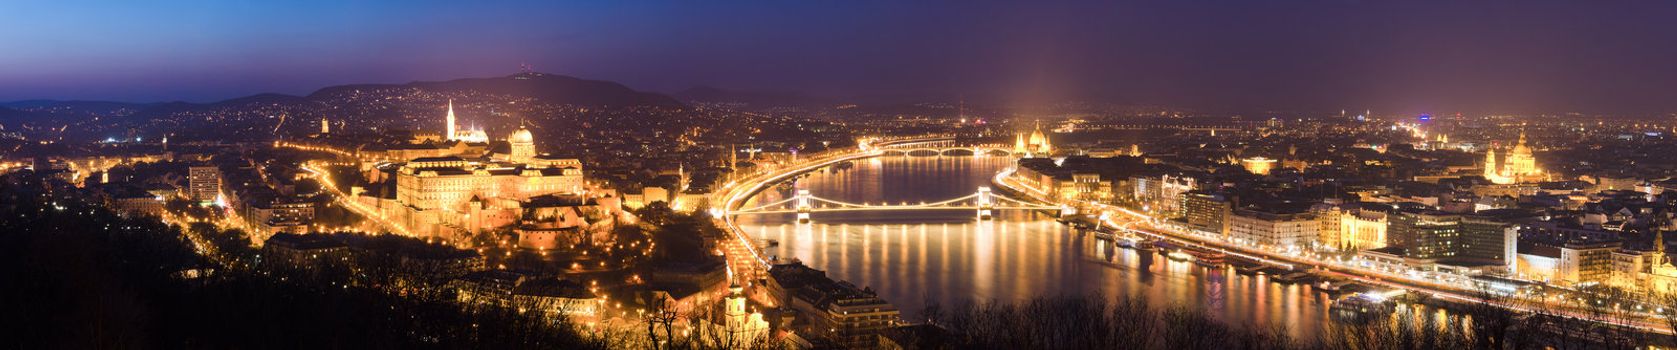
(1124, 242)
(1209, 259)
(1362, 305)
(1294, 278)
(1179, 256)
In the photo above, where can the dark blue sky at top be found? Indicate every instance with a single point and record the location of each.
(1420, 56)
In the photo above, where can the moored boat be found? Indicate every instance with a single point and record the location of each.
(1179, 256)
(1362, 304)
(1124, 242)
(1209, 259)
(1294, 278)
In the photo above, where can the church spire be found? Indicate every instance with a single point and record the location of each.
(1490, 162)
(1659, 242)
(449, 130)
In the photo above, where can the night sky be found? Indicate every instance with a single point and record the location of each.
(1409, 56)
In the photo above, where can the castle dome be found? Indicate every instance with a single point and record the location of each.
(521, 136)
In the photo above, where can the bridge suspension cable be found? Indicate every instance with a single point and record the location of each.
(771, 205)
(848, 204)
(976, 200)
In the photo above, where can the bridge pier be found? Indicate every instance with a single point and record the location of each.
(985, 207)
(804, 207)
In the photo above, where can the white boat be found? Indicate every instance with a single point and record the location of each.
(1124, 242)
(1179, 256)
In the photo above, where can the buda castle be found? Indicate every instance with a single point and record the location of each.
(475, 185)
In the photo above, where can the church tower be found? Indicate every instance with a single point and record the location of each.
(448, 133)
(325, 126)
(1019, 143)
(1490, 163)
(736, 305)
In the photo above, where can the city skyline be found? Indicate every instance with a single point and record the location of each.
(1426, 57)
(1206, 174)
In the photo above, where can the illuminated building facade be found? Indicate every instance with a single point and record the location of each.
(1648, 271)
(1258, 165)
(522, 146)
(738, 326)
(1364, 229)
(1352, 229)
(1207, 212)
(1426, 235)
(1036, 145)
(1278, 230)
(203, 183)
(444, 193)
(451, 196)
(453, 132)
(1517, 167)
(1161, 193)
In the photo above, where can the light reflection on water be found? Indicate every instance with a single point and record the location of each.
(949, 256)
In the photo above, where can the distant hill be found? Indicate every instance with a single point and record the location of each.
(104, 108)
(264, 99)
(759, 99)
(551, 88)
(546, 87)
(244, 112)
(8, 114)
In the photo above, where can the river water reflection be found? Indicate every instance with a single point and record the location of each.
(949, 256)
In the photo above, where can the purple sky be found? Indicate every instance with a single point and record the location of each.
(1421, 56)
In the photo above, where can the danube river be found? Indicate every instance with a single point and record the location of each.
(914, 257)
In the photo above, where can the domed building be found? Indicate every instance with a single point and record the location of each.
(1518, 167)
(522, 146)
(1036, 146)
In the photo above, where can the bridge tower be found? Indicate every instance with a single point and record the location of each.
(985, 206)
(803, 206)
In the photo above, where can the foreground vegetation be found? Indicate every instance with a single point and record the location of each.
(78, 276)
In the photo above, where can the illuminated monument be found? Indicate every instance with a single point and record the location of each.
(1036, 146)
(1519, 166)
(479, 189)
(521, 146)
(453, 132)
